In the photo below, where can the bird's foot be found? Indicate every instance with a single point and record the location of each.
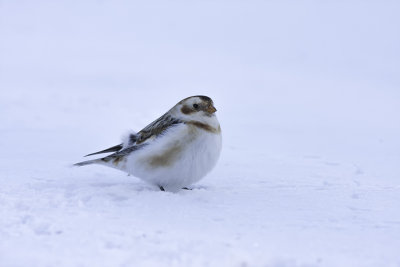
(161, 188)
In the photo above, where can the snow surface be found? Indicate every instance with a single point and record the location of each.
(308, 98)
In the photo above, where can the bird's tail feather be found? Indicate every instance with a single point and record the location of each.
(108, 150)
(87, 162)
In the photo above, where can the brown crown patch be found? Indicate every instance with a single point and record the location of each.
(202, 97)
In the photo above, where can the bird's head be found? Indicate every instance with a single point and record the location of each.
(198, 108)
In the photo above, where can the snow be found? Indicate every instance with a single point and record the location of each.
(308, 98)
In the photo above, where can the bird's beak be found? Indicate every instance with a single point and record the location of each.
(211, 109)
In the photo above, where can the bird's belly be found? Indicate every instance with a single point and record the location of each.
(177, 163)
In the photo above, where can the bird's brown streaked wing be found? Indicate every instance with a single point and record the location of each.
(157, 127)
(154, 129)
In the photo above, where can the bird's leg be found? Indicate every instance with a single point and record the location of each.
(185, 188)
(161, 188)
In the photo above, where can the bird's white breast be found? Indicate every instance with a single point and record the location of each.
(179, 158)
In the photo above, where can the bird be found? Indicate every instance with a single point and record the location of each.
(173, 152)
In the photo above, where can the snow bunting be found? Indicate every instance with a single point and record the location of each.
(174, 151)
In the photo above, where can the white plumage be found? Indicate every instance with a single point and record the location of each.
(173, 152)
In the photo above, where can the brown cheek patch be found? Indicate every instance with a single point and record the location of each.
(186, 110)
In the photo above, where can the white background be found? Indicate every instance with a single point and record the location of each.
(308, 96)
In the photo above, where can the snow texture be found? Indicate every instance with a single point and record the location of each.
(308, 99)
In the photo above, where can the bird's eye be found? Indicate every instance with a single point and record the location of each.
(196, 106)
